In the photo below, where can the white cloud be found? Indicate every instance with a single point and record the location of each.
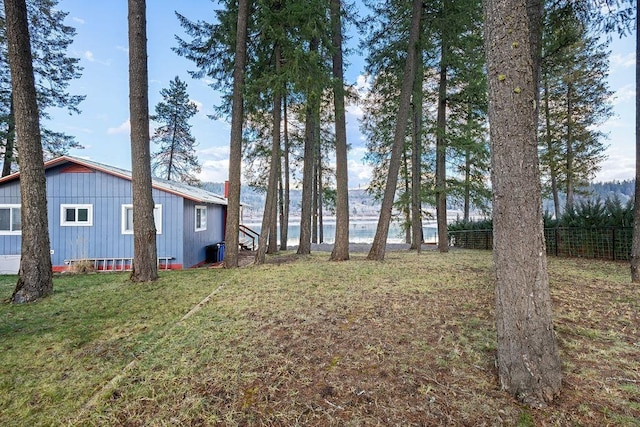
(363, 83)
(125, 127)
(359, 174)
(217, 152)
(623, 60)
(122, 49)
(624, 94)
(78, 20)
(354, 111)
(214, 170)
(89, 56)
(77, 129)
(617, 167)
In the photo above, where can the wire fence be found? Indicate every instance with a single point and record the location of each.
(612, 243)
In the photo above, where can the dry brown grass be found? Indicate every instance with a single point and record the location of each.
(408, 341)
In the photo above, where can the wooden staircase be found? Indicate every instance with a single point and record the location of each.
(247, 238)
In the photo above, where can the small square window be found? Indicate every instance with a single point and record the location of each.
(10, 219)
(76, 215)
(201, 218)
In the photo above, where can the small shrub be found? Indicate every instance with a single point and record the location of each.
(82, 266)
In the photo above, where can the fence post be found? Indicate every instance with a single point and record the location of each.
(556, 235)
(613, 242)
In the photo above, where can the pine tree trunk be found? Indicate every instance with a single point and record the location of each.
(284, 223)
(281, 202)
(441, 152)
(306, 211)
(569, 142)
(35, 275)
(407, 205)
(467, 185)
(378, 248)
(272, 247)
(145, 258)
(635, 247)
(341, 241)
(553, 173)
(314, 202)
(416, 153)
(320, 190)
(529, 366)
(235, 145)
(9, 148)
(270, 202)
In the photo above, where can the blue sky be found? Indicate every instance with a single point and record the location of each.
(103, 127)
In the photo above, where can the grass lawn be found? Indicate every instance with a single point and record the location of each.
(302, 341)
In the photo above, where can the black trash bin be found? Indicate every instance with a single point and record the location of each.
(211, 253)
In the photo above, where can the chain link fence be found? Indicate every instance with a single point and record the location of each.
(612, 243)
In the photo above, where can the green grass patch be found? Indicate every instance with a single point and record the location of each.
(302, 341)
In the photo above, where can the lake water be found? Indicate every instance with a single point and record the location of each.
(360, 231)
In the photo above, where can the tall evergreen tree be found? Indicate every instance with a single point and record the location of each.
(235, 146)
(378, 247)
(528, 362)
(145, 258)
(340, 250)
(635, 247)
(176, 160)
(575, 100)
(34, 276)
(53, 68)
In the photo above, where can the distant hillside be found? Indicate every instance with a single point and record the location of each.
(622, 189)
(362, 204)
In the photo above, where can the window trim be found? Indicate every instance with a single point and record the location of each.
(11, 232)
(157, 215)
(203, 218)
(76, 206)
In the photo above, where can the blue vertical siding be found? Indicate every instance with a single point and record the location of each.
(195, 242)
(107, 193)
(104, 239)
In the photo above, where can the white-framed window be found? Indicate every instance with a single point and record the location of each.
(76, 215)
(10, 219)
(127, 219)
(201, 218)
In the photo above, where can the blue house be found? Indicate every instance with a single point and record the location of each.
(91, 216)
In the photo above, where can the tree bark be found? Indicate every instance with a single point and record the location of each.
(270, 202)
(441, 150)
(235, 145)
(407, 206)
(635, 245)
(145, 258)
(306, 210)
(284, 222)
(314, 199)
(416, 153)
(9, 148)
(569, 142)
(529, 366)
(378, 248)
(340, 250)
(553, 173)
(35, 275)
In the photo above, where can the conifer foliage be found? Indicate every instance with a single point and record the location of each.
(176, 159)
(54, 69)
